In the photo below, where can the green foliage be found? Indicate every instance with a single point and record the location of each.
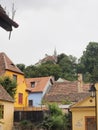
(46, 69)
(26, 125)
(88, 63)
(69, 66)
(66, 67)
(21, 67)
(55, 120)
(66, 102)
(31, 71)
(9, 85)
(54, 109)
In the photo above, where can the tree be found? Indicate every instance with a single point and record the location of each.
(48, 69)
(68, 65)
(21, 67)
(56, 119)
(45, 69)
(9, 85)
(88, 63)
(31, 71)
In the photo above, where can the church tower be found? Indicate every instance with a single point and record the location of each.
(55, 55)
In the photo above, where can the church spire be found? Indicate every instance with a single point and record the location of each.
(55, 54)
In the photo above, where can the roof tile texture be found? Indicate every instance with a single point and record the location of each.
(4, 95)
(40, 83)
(7, 64)
(61, 91)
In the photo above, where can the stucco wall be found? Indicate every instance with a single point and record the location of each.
(7, 122)
(82, 110)
(36, 97)
(21, 87)
(47, 88)
(78, 118)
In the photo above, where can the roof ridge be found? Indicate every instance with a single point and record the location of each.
(6, 66)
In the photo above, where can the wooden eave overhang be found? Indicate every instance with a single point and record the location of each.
(15, 71)
(84, 107)
(5, 22)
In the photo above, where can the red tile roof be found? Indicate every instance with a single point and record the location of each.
(64, 87)
(48, 58)
(61, 91)
(60, 98)
(40, 83)
(53, 59)
(4, 96)
(7, 64)
(86, 87)
(5, 22)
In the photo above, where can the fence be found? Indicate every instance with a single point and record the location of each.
(33, 116)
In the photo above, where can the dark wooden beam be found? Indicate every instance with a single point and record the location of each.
(5, 22)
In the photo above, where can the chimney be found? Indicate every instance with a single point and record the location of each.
(80, 83)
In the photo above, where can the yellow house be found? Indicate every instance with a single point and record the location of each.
(6, 110)
(83, 114)
(8, 68)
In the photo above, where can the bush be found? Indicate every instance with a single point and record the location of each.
(26, 125)
(55, 119)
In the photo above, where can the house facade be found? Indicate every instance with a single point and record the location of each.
(8, 68)
(83, 115)
(6, 110)
(37, 88)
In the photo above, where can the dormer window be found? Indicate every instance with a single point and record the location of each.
(32, 84)
(12, 65)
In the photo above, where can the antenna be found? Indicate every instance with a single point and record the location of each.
(13, 14)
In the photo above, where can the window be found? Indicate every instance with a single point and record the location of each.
(15, 77)
(32, 84)
(30, 103)
(90, 123)
(20, 98)
(1, 111)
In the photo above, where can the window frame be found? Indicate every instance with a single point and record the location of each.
(32, 84)
(20, 98)
(15, 77)
(30, 103)
(1, 111)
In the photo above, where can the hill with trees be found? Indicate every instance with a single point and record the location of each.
(68, 66)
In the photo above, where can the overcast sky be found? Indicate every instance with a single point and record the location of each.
(67, 25)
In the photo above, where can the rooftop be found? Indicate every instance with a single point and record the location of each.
(67, 90)
(4, 96)
(7, 64)
(39, 83)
